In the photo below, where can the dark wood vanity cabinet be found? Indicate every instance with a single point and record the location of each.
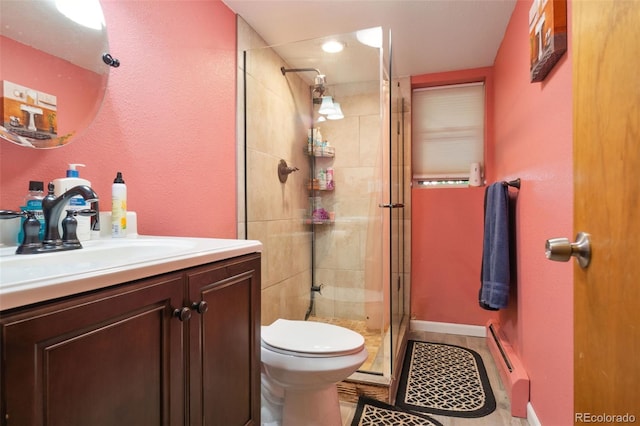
(224, 344)
(123, 356)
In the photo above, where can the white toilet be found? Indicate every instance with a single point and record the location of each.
(301, 363)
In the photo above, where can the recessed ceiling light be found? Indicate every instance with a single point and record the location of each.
(370, 37)
(332, 46)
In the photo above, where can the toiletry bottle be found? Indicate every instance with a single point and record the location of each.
(118, 207)
(322, 179)
(33, 202)
(61, 186)
(329, 178)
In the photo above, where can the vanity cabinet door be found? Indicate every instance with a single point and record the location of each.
(112, 358)
(224, 342)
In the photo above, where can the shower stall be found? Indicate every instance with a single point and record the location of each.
(324, 186)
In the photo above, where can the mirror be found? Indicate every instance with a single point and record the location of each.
(53, 77)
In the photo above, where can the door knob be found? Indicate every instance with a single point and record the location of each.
(561, 249)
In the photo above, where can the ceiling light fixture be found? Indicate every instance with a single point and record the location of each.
(337, 112)
(327, 105)
(332, 46)
(87, 13)
(370, 37)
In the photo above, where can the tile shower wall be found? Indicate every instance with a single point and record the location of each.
(341, 248)
(277, 121)
(350, 290)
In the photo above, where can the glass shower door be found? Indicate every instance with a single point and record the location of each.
(398, 276)
(325, 248)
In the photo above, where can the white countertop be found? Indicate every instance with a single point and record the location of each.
(28, 279)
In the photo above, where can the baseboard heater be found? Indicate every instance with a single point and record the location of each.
(513, 375)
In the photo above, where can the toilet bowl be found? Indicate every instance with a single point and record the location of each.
(301, 363)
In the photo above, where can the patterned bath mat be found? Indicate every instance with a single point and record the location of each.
(370, 412)
(444, 379)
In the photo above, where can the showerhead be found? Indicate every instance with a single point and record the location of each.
(320, 81)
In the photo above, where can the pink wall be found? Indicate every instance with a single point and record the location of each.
(533, 141)
(167, 122)
(446, 240)
(445, 255)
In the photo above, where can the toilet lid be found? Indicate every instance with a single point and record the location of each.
(311, 337)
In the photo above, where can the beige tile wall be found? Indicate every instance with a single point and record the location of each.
(341, 249)
(276, 129)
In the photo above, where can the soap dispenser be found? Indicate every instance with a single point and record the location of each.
(61, 186)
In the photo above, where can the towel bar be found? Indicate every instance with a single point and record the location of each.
(514, 183)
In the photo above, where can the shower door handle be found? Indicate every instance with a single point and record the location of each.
(391, 206)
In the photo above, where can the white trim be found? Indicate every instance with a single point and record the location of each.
(449, 328)
(532, 419)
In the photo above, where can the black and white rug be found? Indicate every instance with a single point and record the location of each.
(444, 379)
(370, 412)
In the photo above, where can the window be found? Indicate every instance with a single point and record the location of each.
(447, 133)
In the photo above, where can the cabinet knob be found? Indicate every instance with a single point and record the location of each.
(200, 307)
(183, 314)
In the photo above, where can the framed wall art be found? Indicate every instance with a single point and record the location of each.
(547, 36)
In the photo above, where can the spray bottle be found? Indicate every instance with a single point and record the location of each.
(118, 207)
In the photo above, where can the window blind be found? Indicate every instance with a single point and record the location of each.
(447, 131)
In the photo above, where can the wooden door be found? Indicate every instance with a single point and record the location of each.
(606, 94)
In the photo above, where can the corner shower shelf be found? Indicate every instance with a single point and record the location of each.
(310, 221)
(320, 151)
(315, 186)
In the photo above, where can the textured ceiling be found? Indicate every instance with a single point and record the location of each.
(427, 35)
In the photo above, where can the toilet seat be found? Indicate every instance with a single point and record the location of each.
(311, 339)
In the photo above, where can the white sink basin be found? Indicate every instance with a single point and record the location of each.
(26, 279)
(94, 255)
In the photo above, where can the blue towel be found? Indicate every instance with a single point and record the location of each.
(494, 290)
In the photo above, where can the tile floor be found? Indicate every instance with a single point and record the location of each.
(500, 417)
(372, 340)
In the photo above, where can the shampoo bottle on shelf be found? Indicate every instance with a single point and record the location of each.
(61, 186)
(118, 207)
(33, 202)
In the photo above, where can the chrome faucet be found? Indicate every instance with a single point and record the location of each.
(53, 207)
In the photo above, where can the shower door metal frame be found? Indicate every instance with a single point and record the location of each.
(395, 205)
